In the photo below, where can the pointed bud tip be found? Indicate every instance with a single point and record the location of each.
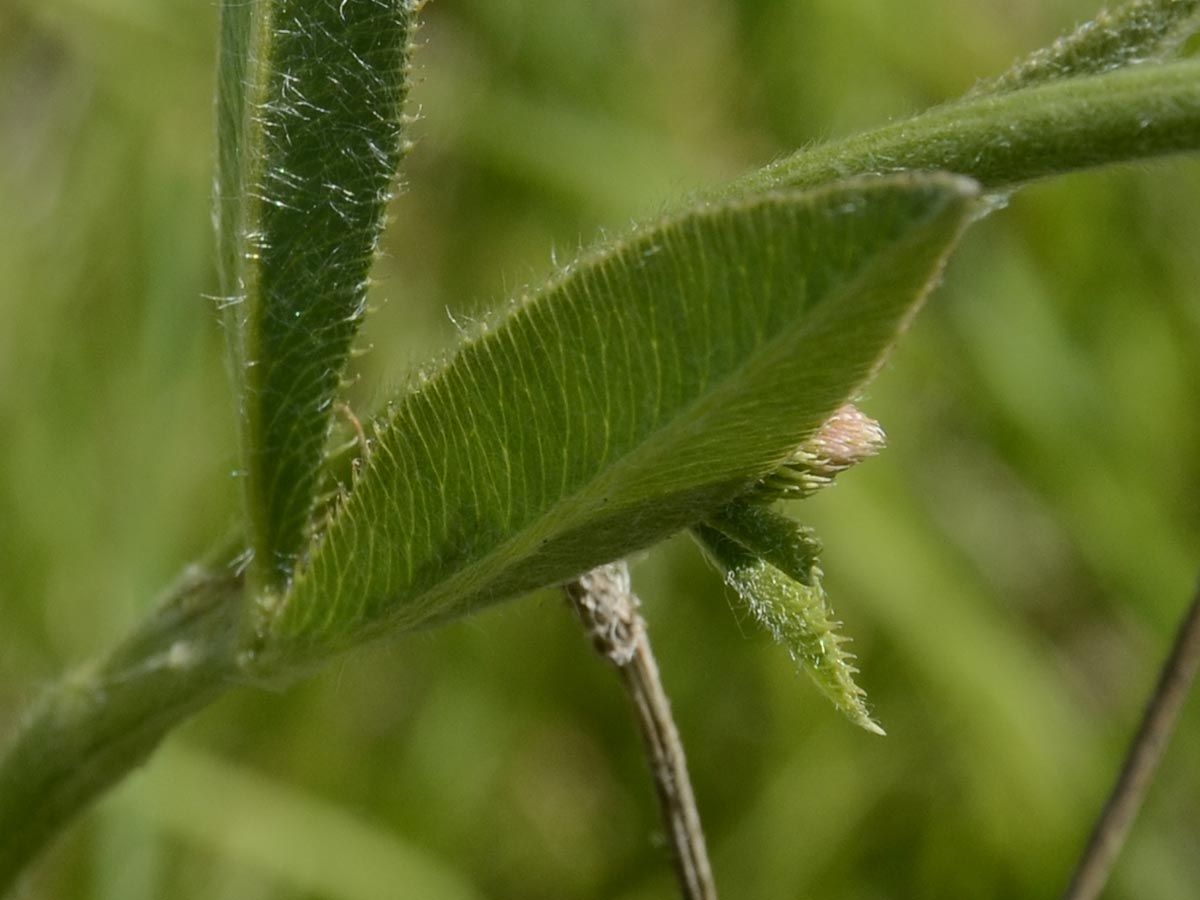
(845, 439)
(874, 727)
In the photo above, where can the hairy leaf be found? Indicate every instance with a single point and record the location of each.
(771, 563)
(1138, 32)
(643, 387)
(310, 134)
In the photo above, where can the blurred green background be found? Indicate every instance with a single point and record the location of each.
(1011, 568)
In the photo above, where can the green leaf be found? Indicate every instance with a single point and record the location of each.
(771, 563)
(1144, 31)
(640, 389)
(310, 128)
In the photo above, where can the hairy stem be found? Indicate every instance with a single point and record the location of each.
(103, 720)
(607, 607)
(1004, 140)
(1141, 761)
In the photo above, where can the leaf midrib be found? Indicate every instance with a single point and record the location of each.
(523, 545)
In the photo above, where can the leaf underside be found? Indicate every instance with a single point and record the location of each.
(310, 121)
(643, 387)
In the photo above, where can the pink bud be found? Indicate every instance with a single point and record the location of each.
(845, 439)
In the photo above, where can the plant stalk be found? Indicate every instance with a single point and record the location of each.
(1005, 140)
(608, 609)
(104, 719)
(1141, 761)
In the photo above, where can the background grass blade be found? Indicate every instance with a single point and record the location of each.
(284, 834)
(1037, 503)
(310, 133)
(642, 388)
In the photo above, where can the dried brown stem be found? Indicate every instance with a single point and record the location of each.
(608, 610)
(1141, 761)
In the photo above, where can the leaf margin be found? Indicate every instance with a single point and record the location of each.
(281, 633)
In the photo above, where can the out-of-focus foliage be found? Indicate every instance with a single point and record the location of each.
(1011, 567)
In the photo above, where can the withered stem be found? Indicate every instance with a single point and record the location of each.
(608, 609)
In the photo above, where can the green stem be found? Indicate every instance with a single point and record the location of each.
(103, 720)
(1005, 140)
